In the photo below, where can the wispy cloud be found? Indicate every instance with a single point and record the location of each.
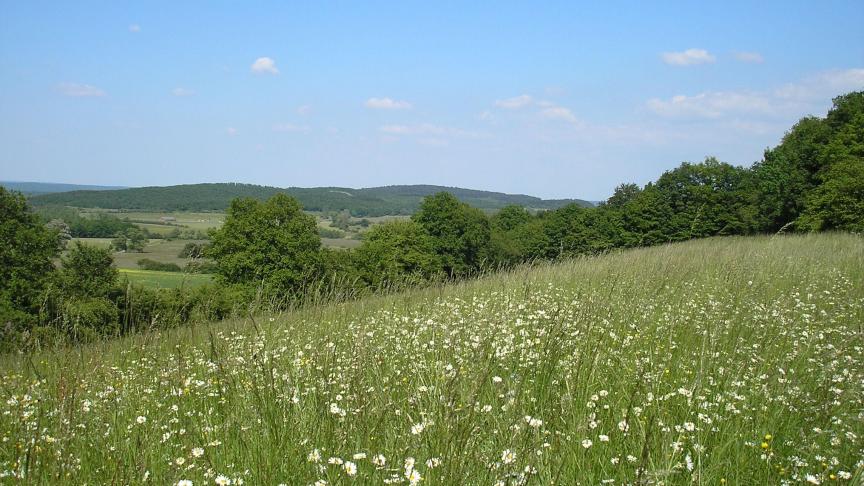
(689, 57)
(80, 90)
(515, 102)
(825, 84)
(231, 131)
(304, 110)
(289, 128)
(711, 104)
(182, 92)
(559, 113)
(789, 100)
(421, 129)
(264, 65)
(134, 28)
(428, 130)
(750, 57)
(387, 104)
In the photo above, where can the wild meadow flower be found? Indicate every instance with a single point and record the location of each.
(533, 421)
(417, 429)
(508, 456)
(141, 420)
(413, 476)
(587, 443)
(184, 482)
(197, 452)
(350, 468)
(314, 456)
(222, 480)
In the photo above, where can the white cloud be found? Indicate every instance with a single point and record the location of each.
(750, 57)
(182, 92)
(515, 102)
(134, 28)
(231, 131)
(289, 128)
(828, 83)
(711, 104)
(810, 95)
(264, 65)
(559, 113)
(688, 57)
(387, 104)
(422, 129)
(304, 110)
(429, 130)
(80, 90)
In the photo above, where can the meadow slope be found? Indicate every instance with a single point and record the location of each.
(718, 361)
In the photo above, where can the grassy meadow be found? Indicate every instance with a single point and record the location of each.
(733, 361)
(165, 280)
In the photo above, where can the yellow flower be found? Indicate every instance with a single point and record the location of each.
(768, 436)
(764, 445)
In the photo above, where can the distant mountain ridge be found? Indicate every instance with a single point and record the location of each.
(33, 188)
(373, 201)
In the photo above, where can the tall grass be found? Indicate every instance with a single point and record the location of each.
(721, 361)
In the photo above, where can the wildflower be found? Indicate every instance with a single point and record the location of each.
(314, 456)
(812, 479)
(180, 461)
(413, 476)
(497, 379)
(350, 468)
(587, 443)
(416, 429)
(508, 456)
(358, 456)
(222, 480)
(141, 419)
(533, 422)
(184, 482)
(604, 438)
(379, 460)
(197, 452)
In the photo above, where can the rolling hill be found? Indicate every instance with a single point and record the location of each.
(374, 201)
(34, 188)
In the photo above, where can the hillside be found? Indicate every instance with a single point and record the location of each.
(375, 201)
(717, 361)
(34, 188)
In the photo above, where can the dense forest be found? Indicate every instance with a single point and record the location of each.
(269, 252)
(375, 201)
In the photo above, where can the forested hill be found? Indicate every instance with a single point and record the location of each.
(34, 188)
(374, 201)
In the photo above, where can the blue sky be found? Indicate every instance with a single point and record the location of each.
(556, 99)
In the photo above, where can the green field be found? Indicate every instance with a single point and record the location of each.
(164, 251)
(734, 361)
(165, 280)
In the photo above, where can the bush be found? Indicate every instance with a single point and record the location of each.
(148, 264)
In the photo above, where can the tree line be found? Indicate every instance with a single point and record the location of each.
(269, 252)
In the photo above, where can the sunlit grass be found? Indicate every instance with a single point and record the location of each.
(722, 361)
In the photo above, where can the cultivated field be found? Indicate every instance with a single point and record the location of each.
(720, 361)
